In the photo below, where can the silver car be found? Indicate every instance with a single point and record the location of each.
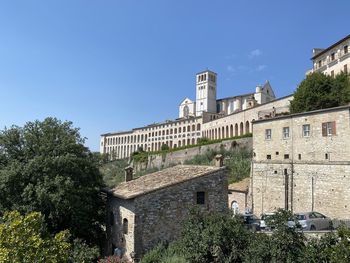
(312, 221)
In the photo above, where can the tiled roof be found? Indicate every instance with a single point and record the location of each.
(161, 179)
(241, 186)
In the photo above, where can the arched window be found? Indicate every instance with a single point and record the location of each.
(231, 130)
(186, 111)
(193, 127)
(125, 226)
(236, 129)
(241, 129)
(247, 127)
(198, 126)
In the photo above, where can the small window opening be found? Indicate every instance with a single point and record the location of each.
(200, 198)
(326, 156)
(125, 226)
(286, 156)
(268, 157)
(277, 153)
(299, 156)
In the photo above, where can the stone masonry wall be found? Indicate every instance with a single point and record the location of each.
(324, 188)
(178, 157)
(161, 214)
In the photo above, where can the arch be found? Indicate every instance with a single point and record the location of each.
(222, 132)
(215, 133)
(193, 141)
(236, 129)
(186, 111)
(188, 141)
(227, 132)
(198, 127)
(179, 143)
(247, 127)
(188, 128)
(183, 142)
(241, 128)
(193, 127)
(231, 130)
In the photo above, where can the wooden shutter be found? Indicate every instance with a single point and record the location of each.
(333, 128)
(324, 129)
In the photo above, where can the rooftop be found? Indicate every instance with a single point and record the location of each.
(241, 186)
(330, 47)
(302, 114)
(161, 179)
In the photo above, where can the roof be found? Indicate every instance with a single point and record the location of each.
(330, 47)
(161, 179)
(241, 186)
(302, 114)
(232, 97)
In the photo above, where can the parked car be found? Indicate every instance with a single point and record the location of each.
(266, 223)
(251, 222)
(312, 221)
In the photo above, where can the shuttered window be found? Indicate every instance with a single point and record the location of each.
(328, 128)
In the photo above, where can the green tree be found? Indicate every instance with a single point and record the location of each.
(214, 237)
(22, 240)
(319, 91)
(44, 166)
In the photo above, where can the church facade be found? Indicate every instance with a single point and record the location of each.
(205, 111)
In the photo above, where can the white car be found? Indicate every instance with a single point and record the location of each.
(312, 221)
(263, 224)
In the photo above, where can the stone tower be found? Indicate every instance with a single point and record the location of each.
(205, 92)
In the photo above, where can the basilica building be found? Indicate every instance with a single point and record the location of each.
(198, 118)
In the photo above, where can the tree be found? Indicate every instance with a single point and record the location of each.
(214, 237)
(22, 240)
(164, 147)
(319, 91)
(44, 166)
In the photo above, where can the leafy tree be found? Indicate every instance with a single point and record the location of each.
(287, 244)
(22, 240)
(214, 237)
(44, 166)
(319, 91)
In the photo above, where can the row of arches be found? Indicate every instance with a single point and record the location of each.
(123, 151)
(228, 131)
(140, 138)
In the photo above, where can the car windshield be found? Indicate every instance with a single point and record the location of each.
(300, 217)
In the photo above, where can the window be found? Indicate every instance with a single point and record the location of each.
(328, 128)
(286, 156)
(332, 56)
(345, 68)
(268, 134)
(200, 198)
(268, 157)
(299, 156)
(125, 226)
(346, 49)
(306, 130)
(277, 153)
(326, 156)
(285, 132)
(320, 63)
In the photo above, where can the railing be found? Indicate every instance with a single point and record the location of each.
(274, 112)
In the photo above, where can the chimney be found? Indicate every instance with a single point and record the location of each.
(128, 173)
(219, 160)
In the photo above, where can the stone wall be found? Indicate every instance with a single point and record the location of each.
(303, 173)
(178, 157)
(161, 214)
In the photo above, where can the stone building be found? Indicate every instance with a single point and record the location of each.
(150, 209)
(333, 59)
(238, 196)
(187, 129)
(301, 162)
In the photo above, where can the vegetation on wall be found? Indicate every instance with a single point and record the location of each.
(319, 91)
(236, 159)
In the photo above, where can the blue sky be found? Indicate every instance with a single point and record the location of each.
(114, 65)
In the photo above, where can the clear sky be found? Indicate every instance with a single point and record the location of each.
(114, 65)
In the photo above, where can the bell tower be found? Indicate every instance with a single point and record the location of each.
(205, 92)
